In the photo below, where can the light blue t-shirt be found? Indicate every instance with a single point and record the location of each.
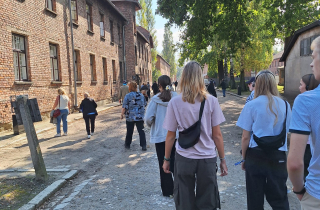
(306, 120)
(257, 117)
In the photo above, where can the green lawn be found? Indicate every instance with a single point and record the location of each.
(280, 89)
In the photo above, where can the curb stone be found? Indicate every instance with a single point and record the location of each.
(49, 191)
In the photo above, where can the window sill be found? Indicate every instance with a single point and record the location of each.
(105, 82)
(56, 82)
(23, 82)
(114, 82)
(76, 25)
(90, 32)
(51, 11)
(103, 38)
(93, 82)
(79, 82)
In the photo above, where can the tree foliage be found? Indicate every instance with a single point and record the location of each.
(168, 52)
(241, 30)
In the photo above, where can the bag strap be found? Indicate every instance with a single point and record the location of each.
(201, 109)
(285, 119)
(59, 101)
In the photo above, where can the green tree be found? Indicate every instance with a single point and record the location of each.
(168, 52)
(141, 15)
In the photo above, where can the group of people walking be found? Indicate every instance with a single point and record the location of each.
(185, 129)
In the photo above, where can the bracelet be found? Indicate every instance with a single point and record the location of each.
(166, 159)
(300, 192)
(222, 158)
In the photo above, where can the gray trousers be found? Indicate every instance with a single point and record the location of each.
(201, 173)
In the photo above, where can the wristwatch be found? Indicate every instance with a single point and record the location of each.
(166, 159)
(303, 191)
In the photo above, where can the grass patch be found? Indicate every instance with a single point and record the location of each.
(280, 89)
(16, 192)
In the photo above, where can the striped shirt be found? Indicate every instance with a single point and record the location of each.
(250, 97)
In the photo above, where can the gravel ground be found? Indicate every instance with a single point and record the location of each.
(114, 178)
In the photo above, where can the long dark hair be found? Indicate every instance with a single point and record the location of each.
(163, 81)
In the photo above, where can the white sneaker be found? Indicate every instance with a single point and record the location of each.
(65, 134)
(58, 135)
(89, 136)
(92, 133)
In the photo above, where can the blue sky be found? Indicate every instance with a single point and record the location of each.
(159, 26)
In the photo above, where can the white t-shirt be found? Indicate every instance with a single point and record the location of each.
(64, 99)
(257, 117)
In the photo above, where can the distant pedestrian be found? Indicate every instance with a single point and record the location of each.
(223, 87)
(62, 103)
(154, 118)
(89, 110)
(124, 90)
(144, 91)
(305, 121)
(307, 83)
(264, 152)
(195, 166)
(176, 85)
(212, 89)
(251, 85)
(133, 107)
(155, 88)
(148, 92)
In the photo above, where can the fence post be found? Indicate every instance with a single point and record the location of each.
(36, 155)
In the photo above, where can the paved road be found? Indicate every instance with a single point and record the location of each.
(115, 178)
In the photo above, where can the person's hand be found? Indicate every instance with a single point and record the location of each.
(224, 168)
(243, 166)
(166, 166)
(121, 117)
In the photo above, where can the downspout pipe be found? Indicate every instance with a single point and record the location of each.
(73, 59)
(124, 49)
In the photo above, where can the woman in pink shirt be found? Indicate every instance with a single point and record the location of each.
(196, 165)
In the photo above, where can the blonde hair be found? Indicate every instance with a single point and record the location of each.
(61, 91)
(316, 44)
(86, 94)
(191, 84)
(266, 85)
(132, 86)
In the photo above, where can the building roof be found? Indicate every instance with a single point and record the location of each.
(136, 2)
(116, 9)
(145, 34)
(295, 37)
(277, 55)
(163, 59)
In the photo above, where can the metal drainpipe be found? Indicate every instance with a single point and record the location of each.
(124, 51)
(73, 58)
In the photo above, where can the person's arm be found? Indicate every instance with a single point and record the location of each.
(169, 144)
(69, 105)
(295, 162)
(123, 110)
(150, 113)
(218, 140)
(245, 140)
(55, 103)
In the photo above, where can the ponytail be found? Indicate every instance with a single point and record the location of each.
(165, 82)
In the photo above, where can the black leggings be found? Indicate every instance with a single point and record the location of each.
(92, 118)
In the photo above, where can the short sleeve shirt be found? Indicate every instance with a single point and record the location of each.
(257, 117)
(135, 104)
(181, 115)
(306, 120)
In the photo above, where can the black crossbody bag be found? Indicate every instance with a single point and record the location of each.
(271, 143)
(190, 136)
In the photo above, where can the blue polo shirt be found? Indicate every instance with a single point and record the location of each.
(257, 117)
(306, 120)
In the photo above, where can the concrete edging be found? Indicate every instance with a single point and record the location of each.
(39, 199)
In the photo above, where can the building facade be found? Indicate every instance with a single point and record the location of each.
(163, 66)
(36, 51)
(297, 58)
(276, 63)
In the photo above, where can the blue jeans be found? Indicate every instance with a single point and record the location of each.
(224, 92)
(63, 115)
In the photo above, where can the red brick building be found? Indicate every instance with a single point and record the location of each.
(36, 55)
(163, 66)
(276, 63)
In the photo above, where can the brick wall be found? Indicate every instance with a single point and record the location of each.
(41, 27)
(163, 66)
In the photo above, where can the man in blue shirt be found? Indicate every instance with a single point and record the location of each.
(305, 121)
(251, 84)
